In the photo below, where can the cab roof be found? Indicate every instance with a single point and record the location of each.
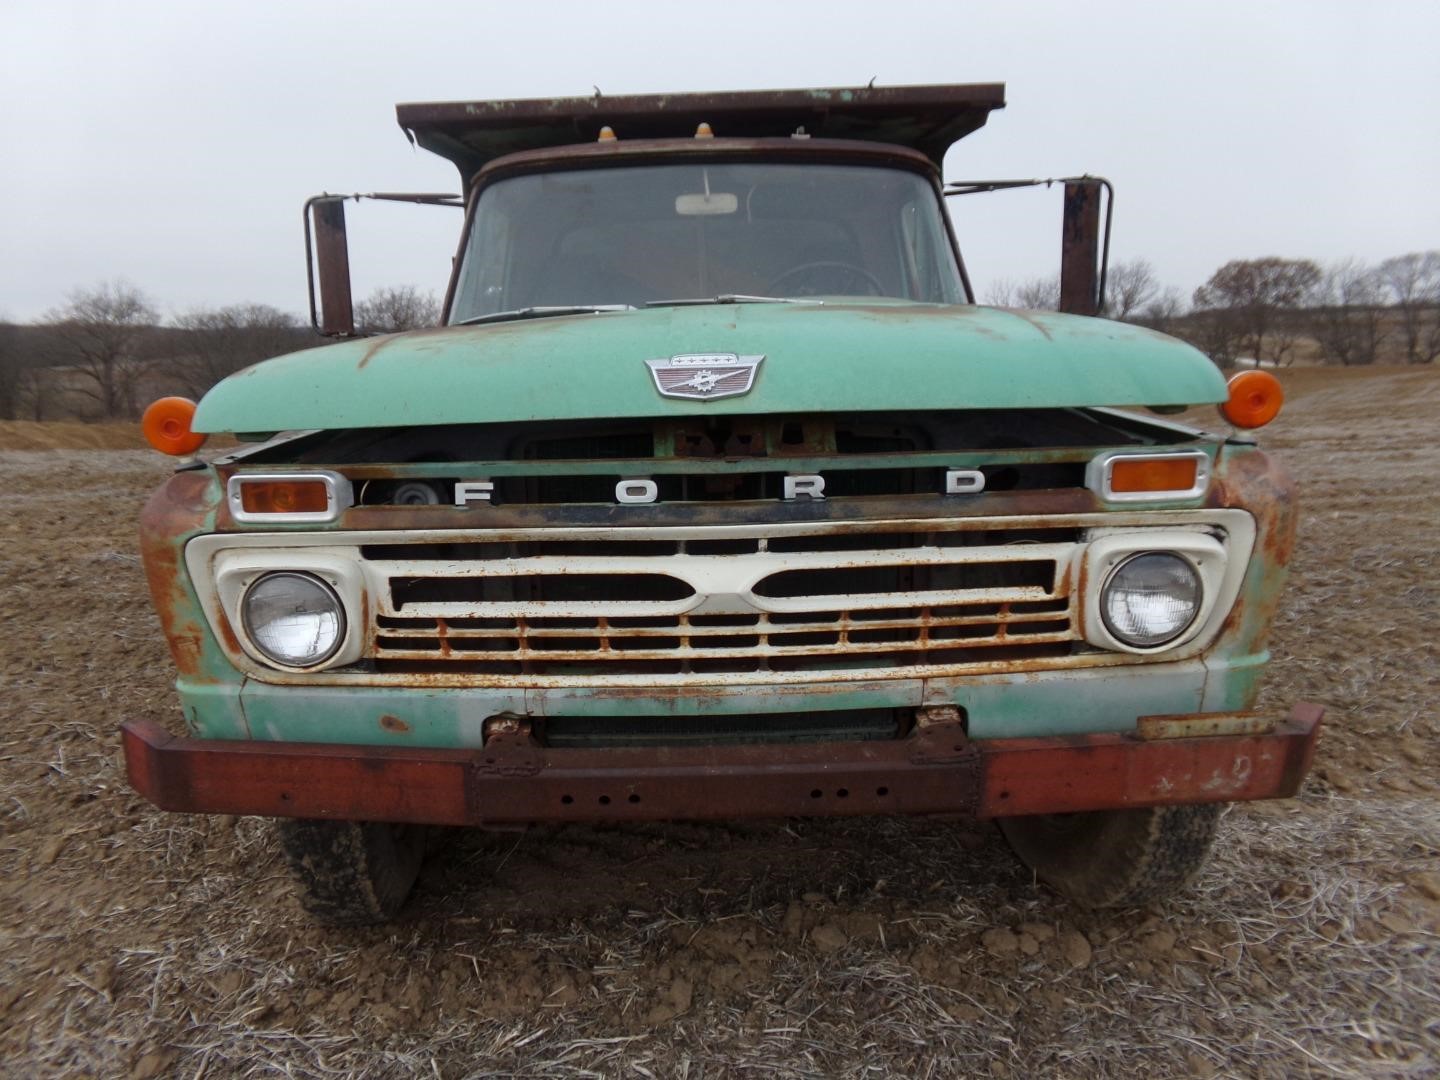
(924, 118)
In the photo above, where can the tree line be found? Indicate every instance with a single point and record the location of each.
(1274, 310)
(107, 352)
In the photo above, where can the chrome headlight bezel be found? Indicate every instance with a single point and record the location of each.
(237, 570)
(1217, 569)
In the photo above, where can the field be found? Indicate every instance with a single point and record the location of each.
(142, 944)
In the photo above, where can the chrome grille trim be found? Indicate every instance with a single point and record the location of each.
(978, 609)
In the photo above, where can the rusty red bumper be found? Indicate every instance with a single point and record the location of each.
(938, 773)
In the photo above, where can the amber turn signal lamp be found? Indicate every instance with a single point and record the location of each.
(166, 425)
(1153, 474)
(284, 496)
(1255, 399)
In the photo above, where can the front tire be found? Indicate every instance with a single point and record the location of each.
(1116, 858)
(351, 873)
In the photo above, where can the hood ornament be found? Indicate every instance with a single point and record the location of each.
(704, 376)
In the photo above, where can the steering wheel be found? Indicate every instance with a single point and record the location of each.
(838, 271)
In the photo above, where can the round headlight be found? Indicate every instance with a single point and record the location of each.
(1150, 598)
(296, 620)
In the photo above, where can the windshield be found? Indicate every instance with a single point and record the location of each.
(653, 233)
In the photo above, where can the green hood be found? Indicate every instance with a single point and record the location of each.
(877, 356)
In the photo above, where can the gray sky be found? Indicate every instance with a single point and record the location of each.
(172, 143)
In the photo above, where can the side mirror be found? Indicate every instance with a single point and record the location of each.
(1084, 237)
(336, 314)
(327, 250)
(1080, 287)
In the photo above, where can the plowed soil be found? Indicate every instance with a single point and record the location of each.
(144, 944)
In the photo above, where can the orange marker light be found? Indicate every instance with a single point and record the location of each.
(166, 425)
(703, 131)
(1153, 474)
(284, 496)
(1255, 399)
(607, 134)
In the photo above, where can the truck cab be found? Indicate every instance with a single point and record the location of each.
(717, 495)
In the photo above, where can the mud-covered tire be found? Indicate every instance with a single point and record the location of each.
(351, 873)
(1116, 858)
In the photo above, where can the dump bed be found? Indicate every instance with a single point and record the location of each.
(925, 118)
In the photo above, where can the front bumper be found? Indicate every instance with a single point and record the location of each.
(937, 770)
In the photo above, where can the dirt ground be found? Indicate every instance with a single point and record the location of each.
(143, 944)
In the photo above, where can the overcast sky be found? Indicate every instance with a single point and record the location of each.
(172, 144)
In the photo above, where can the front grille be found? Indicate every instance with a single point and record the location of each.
(824, 602)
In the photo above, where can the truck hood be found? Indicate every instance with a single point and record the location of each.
(836, 357)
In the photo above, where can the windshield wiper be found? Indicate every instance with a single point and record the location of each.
(733, 298)
(544, 312)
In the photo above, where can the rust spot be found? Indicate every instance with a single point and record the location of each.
(228, 636)
(1252, 481)
(1029, 318)
(394, 724)
(374, 347)
(171, 513)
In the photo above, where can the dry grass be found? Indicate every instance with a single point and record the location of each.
(145, 944)
(69, 435)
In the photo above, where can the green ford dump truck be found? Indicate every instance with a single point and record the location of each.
(716, 495)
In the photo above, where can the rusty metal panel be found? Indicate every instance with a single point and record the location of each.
(1100, 772)
(545, 369)
(513, 780)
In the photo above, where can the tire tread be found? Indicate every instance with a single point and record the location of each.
(1118, 858)
(350, 873)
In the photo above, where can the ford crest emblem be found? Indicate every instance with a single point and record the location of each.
(703, 376)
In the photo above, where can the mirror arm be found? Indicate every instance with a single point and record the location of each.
(1078, 236)
(334, 315)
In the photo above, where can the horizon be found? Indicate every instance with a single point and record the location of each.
(182, 168)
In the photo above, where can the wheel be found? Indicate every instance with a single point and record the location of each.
(830, 273)
(1116, 858)
(351, 873)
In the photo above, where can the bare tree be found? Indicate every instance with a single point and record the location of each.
(1162, 311)
(215, 342)
(98, 335)
(11, 371)
(1348, 319)
(390, 309)
(1215, 332)
(1413, 282)
(1258, 297)
(1039, 293)
(1129, 287)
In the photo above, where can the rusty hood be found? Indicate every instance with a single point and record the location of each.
(818, 357)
